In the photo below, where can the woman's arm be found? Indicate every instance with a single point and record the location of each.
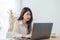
(26, 36)
(15, 31)
(30, 34)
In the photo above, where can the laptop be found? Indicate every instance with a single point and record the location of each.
(41, 31)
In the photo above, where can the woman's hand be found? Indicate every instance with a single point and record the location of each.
(26, 36)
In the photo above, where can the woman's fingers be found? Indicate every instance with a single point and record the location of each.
(26, 36)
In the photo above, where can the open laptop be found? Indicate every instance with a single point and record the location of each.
(41, 31)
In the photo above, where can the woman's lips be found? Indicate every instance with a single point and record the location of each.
(28, 18)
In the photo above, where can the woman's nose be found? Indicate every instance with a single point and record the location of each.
(29, 16)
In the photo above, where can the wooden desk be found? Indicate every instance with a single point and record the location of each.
(56, 38)
(51, 38)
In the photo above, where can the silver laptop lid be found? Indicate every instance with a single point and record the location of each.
(41, 30)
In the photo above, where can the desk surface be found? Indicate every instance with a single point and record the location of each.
(53, 38)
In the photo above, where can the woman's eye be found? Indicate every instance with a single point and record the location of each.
(27, 14)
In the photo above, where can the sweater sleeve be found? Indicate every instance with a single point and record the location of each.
(15, 31)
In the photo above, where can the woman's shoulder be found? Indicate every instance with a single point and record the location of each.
(18, 21)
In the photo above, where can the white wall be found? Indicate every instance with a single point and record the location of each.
(45, 11)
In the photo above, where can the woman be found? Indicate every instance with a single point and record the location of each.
(22, 27)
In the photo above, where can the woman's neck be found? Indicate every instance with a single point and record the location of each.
(24, 22)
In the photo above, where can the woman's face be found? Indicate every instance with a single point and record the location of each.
(27, 16)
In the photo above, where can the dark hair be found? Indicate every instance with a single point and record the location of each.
(24, 10)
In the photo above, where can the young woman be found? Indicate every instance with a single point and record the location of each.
(23, 26)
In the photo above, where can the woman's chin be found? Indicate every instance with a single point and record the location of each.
(27, 19)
